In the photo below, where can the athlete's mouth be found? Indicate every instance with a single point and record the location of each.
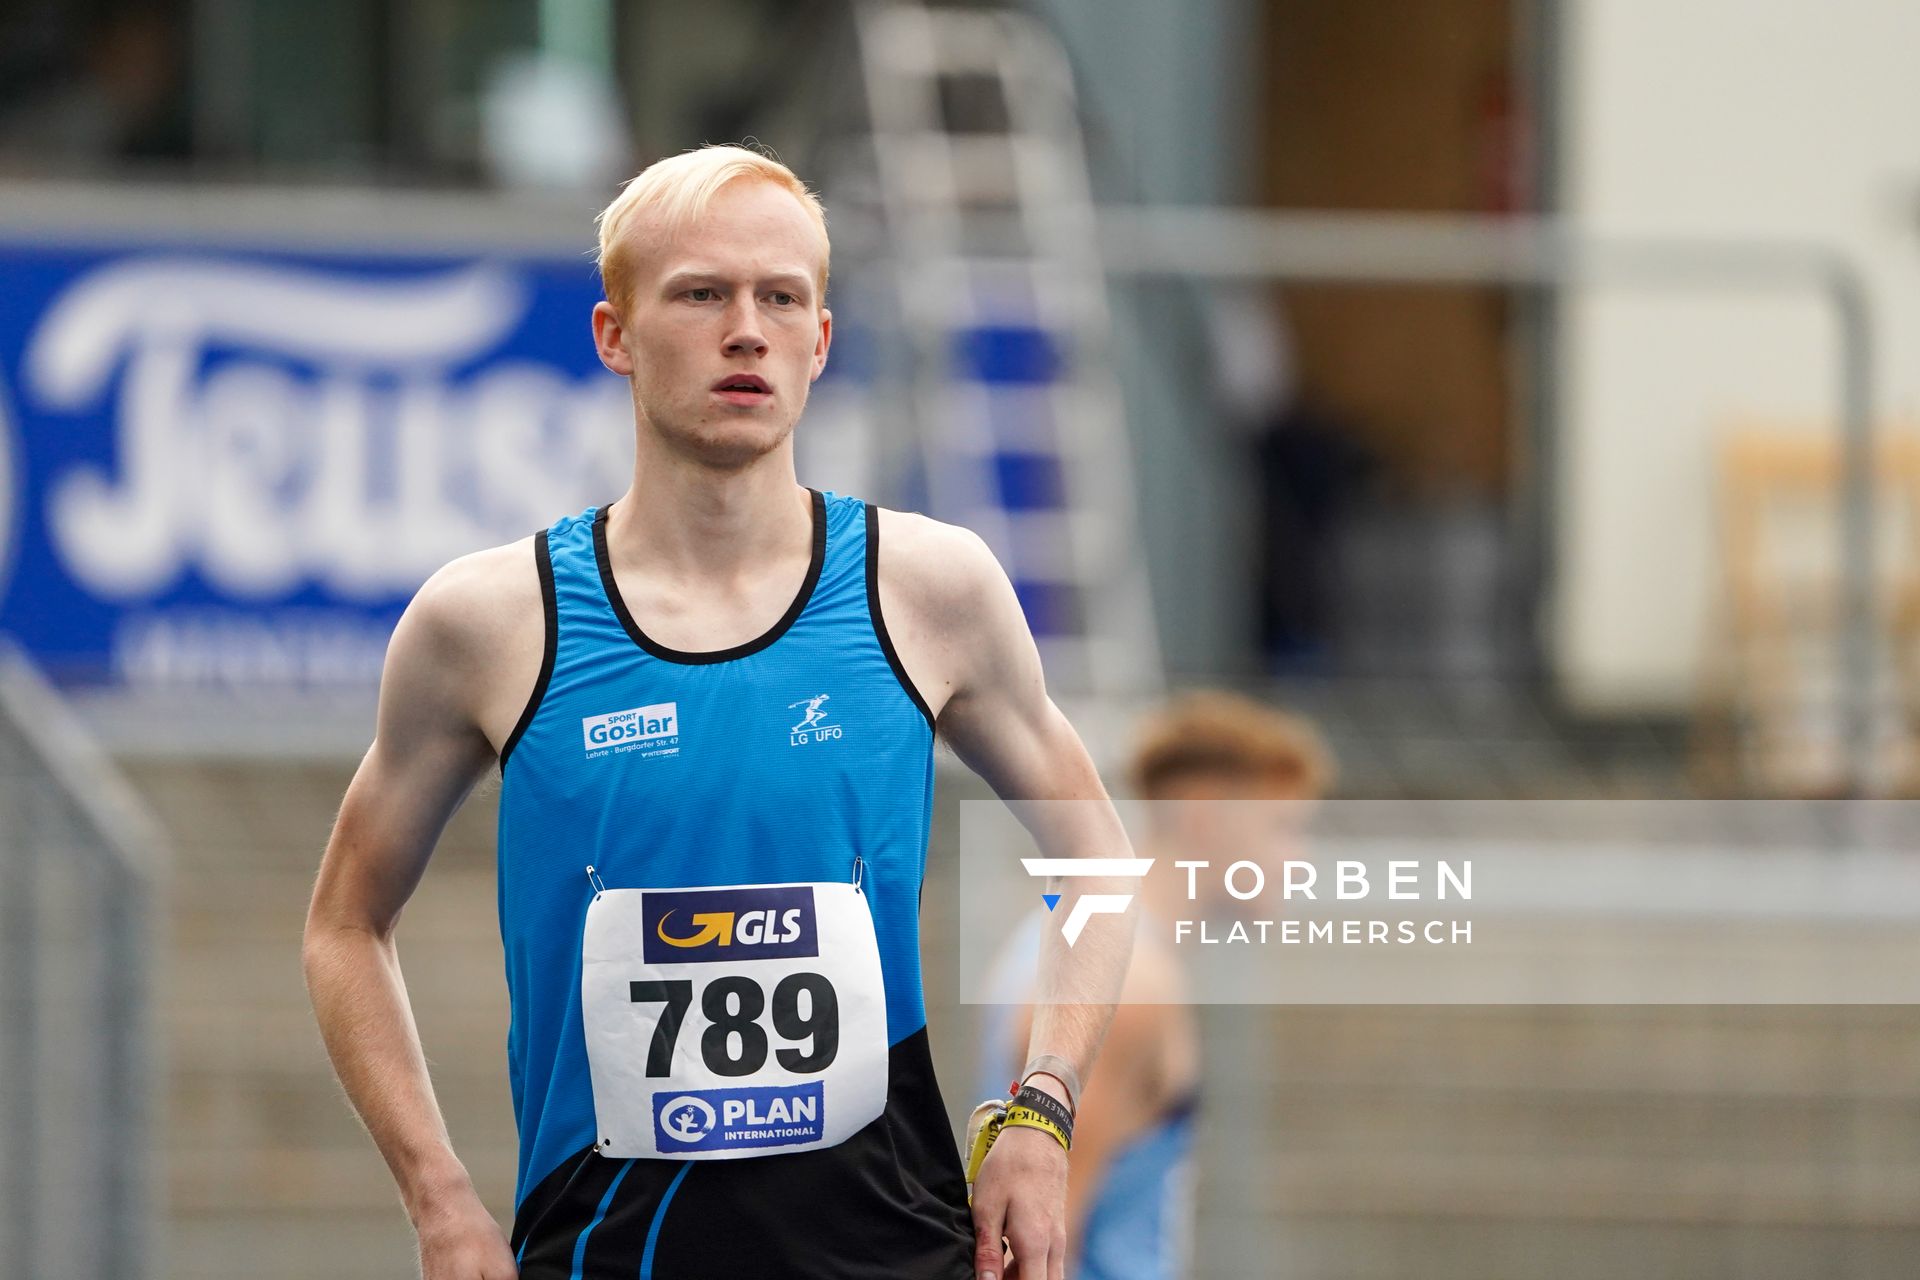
(743, 388)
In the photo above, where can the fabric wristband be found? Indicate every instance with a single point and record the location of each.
(1046, 1104)
(1060, 1069)
(1024, 1117)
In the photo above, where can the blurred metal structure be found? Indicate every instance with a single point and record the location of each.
(1245, 244)
(990, 227)
(78, 1068)
(1765, 677)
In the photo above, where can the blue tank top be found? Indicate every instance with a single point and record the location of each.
(763, 763)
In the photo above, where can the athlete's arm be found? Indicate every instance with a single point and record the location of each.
(457, 644)
(964, 641)
(1143, 1065)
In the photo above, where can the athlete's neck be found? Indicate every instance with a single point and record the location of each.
(706, 524)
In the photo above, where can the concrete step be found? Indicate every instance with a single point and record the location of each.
(271, 906)
(347, 1179)
(267, 974)
(205, 1037)
(227, 814)
(1486, 1125)
(287, 1110)
(251, 1244)
(1571, 1184)
(292, 1245)
(1393, 1248)
(1806, 1052)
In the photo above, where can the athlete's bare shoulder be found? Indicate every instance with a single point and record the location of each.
(935, 565)
(472, 641)
(944, 596)
(473, 598)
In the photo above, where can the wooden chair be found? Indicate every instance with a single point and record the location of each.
(1771, 717)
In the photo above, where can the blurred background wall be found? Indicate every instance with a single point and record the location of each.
(1718, 122)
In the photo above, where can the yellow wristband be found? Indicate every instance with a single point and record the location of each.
(983, 1126)
(1028, 1118)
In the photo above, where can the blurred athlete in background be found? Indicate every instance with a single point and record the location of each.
(710, 911)
(1230, 778)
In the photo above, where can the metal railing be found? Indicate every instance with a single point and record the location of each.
(1431, 249)
(79, 871)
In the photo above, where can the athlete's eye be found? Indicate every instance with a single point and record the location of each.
(785, 300)
(700, 295)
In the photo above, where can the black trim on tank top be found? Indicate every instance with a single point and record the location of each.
(753, 646)
(879, 621)
(543, 562)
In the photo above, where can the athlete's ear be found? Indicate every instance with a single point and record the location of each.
(820, 347)
(609, 340)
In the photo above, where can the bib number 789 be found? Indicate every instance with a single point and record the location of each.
(732, 1005)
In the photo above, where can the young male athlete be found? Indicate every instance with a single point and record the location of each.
(717, 1052)
(1216, 765)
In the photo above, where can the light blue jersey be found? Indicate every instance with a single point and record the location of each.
(780, 760)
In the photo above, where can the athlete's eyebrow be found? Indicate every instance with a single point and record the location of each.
(791, 282)
(795, 282)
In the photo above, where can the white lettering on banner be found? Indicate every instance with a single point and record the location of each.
(280, 426)
(235, 648)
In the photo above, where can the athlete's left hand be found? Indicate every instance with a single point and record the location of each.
(1021, 1194)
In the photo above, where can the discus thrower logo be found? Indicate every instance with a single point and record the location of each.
(813, 726)
(1087, 905)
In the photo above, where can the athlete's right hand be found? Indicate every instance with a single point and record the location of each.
(1021, 1197)
(463, 1242)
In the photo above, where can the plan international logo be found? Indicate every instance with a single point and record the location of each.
(1087, 905)
(744, 1118)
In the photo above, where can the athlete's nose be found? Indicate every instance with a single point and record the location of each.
(743, 327)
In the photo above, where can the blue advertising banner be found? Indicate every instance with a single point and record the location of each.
(227, 469)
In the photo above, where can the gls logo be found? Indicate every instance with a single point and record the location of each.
(684, 926)
(1087, 904)
(653, 731)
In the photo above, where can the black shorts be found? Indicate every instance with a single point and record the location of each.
(889, 1203)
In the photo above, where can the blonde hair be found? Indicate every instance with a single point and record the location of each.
(1216, 733)
(680, 188)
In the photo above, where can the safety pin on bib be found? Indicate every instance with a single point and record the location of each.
(598, 886)
(859, 871)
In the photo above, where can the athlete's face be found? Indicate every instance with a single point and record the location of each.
(725, 331)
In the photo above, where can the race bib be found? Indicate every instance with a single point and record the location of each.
(732, 1021)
